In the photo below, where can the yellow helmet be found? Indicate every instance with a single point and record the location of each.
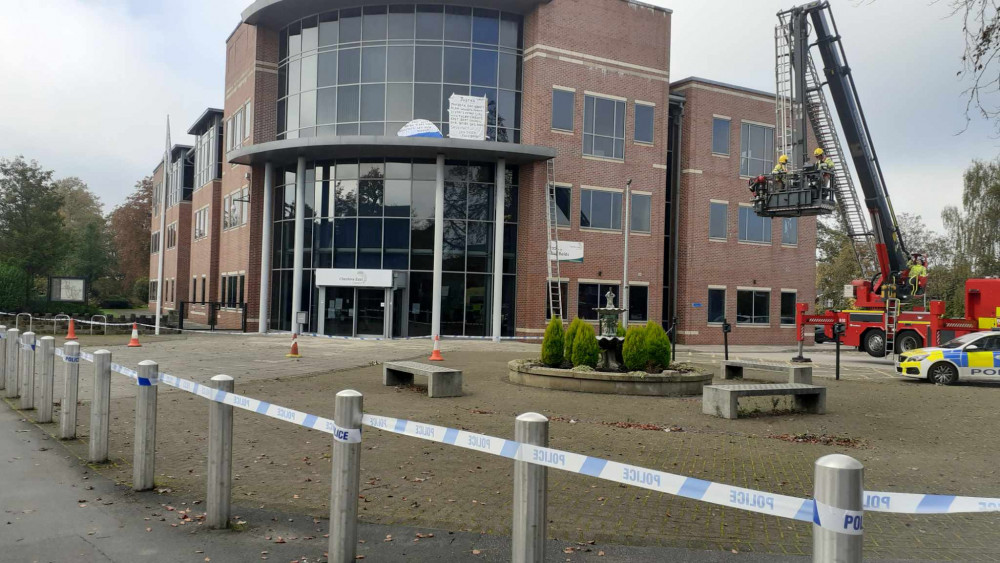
(818, 152)
(783, 159)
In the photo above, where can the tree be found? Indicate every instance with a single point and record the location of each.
(585, 348)
(837, 264)
(552, 343)
(32, 234)
(981, 59)
(129, 229)
(89, 256)
(635, 352)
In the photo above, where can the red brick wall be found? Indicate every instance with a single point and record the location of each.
(570, 43)
(176, 260)
(733, 264)
(205, 251)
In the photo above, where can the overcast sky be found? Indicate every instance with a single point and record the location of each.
(87, 83)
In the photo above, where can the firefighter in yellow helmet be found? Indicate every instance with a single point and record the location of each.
(779, 171)
(823, 162)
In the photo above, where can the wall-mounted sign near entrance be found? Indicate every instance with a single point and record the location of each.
(419, 128)
(467, 117)
(341, 277)
(569, 251)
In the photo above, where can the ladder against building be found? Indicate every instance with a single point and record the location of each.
(552, 248)
(891, 317)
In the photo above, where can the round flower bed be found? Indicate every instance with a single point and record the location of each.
(680, 382)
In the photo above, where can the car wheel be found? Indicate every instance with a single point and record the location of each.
(908, 341)
(875, 343)
(943, 373)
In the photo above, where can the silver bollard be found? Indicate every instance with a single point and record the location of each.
(28, 371)
(13, 351)
(47, 348)
(839, 495)
(530, 489)
(346, 481)
(71, 390)
(220, 456)
(100, 407)
(3, 357)
(144, 456)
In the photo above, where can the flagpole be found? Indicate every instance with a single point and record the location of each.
(163, 228)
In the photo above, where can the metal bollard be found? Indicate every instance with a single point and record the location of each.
(220, 456)
(839, 494)
(71, 390)
(100, 407)
(346, 481)
(530, 489)
(144, 455)
(13, 351)
(47, 347)
(28, 371)
(3, 357)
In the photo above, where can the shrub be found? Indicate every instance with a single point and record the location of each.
(552, 344)
(634, 349)
(568, 340)
(43, 307)
(585, 349)
(140, 289)
(13, 287)
(119, 302)
(620, 331)
(657, 345)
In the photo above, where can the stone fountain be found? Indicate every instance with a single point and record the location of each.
(608, 339)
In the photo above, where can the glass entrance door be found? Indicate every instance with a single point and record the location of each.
(339, 311)
(371, 312)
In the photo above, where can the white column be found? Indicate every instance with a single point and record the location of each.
(300, 236)
(263, 312)
(627, 227)
(501, 182)
(438, 247)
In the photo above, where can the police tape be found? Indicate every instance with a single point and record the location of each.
(842, 520)
(915, 503)
(678, 485)
(67, 359)
(325, 425)
(381, 338)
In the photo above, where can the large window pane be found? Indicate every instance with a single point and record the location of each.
(373, 102)
(509, 72)
(454, 245)
(756, 149)
(788, 307)
(640, 211)
(427, 64)
(718, 216)
(397, 244)
(308, 73)
(328, 29)
(564, 198)
(374, 27)
(562, 109)
(370, 197)
(644, 123)
(399, 64)
(373, 64)
(638, 303)
(716, 305)
(397, 198)
(457, 23)
(370, 243)
(401, 22)
(790, 230)
(456, 65)
(484, 68)
(480, 246)
(753, 307)
(350, 25)
(344, 242)
(346, 198)
(430, 22)
(326, 106)
(455, 194)
(720, 136)
(349, 66)
(427, 102)
(754, 228)
(327, 69)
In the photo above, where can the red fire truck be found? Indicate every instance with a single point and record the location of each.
(876, 322)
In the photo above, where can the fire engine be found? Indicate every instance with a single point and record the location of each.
(875, 323)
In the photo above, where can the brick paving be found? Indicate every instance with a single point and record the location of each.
(413, 482)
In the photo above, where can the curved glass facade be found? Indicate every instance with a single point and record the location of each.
(379, 214)
(369, 70)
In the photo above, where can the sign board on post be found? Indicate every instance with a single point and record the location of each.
(467, 117)
(568, 251)
(73, 290)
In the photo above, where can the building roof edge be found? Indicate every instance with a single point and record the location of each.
(721, 85)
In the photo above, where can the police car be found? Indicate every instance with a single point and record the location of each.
(974, 355)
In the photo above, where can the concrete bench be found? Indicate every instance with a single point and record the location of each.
(722, 400)
(441, 381)
(733, 369)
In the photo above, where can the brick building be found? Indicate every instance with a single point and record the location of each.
(304, 197)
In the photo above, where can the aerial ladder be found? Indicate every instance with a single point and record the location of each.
(805, 190)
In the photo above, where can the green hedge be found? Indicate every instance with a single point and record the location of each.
(585, 349)
(657, 346)
(13, 287)
(42, 307)
(568, 340)
(635, 352)
(552, 343)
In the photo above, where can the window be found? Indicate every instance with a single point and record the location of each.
(231, 293)
(790, 230)
(563, 108)
(157, 202)
(171, 235)
(716, 305)
(601, 209)
(788, 307)
(564, 197)
(640, 213)
(244, 205)
(591, 296)
(194, 288)
(247, 123)
(235, 209)
(603, 127)
(201, 223)
(206, 156)
(753, 307)
(638, 303)
(720, 136)
(564, 297)
(204, 282)
(718, 219)
(754, 228)
(756, 149)
(152, 290)
(643, 131)
(154, 243)
(238, 128)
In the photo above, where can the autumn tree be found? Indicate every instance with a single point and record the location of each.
(129, 226)
(32, 233)
(89, 255)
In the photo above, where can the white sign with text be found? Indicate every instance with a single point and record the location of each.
(569, 251)
(343, 277)
(467, 117)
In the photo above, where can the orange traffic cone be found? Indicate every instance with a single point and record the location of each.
(71, 334)
(436, 353)
(134, 343)
(294, 353)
